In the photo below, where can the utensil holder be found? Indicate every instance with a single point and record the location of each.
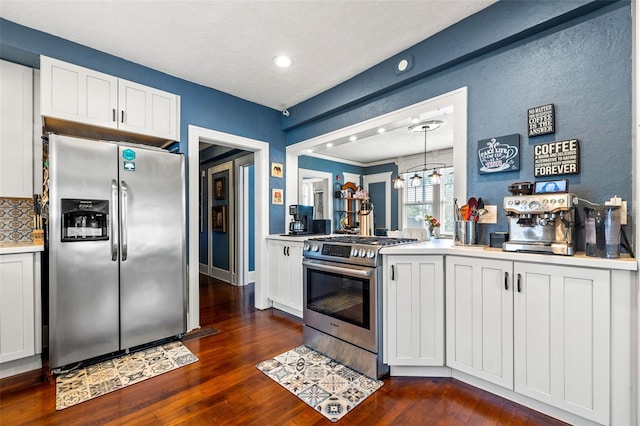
(465, 233)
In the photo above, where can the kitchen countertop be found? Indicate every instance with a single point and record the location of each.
(446, 247)
(290, 237)
(13, 248)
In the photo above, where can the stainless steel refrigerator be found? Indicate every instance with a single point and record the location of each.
(117, 251)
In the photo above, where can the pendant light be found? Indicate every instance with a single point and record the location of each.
(425, 126)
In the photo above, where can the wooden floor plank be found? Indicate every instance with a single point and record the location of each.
(225, 388)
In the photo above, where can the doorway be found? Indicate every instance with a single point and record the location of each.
(260, 149)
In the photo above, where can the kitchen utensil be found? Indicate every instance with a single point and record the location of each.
(464, 212)
(480, 209)
(521, 188)
(456, 210)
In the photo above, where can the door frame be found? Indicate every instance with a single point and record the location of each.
(243, 275)
(221, 274)
(260, 149)
(384, 177)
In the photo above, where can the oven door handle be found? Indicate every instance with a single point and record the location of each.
(338, 269)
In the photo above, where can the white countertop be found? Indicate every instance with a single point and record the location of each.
(19, 248)
(291, 237)
(446, 247)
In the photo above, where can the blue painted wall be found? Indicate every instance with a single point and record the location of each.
(200, 106)
(512, 56)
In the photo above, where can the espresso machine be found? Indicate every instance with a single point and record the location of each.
(542, 223)
(302, 219)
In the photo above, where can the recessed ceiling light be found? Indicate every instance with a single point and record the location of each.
(310, 150)
(282, 61)
(353, 138)
(329, 145)
(381, 130)
(415, 120)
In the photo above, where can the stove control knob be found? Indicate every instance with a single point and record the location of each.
(354, 252)
(315, 247)
(306, 247)
(370, 254)
(362, 252)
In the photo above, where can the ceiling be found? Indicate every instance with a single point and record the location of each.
(229, 44)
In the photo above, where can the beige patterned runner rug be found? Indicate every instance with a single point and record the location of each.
(328, 386)
(99, 379)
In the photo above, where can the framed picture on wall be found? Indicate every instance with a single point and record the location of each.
(219, 192)
(219, 218)
(277, 169)
(277, 197)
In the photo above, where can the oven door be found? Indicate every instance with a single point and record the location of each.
(341, 300)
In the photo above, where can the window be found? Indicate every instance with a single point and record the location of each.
(426, 198)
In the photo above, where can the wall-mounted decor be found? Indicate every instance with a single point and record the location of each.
(541, 120)
(499, 154)
(556, 158)
(219, 192)
(277, 197)
(277, 170)
(219, 218)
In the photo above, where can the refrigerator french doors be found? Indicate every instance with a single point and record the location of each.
(117, 252)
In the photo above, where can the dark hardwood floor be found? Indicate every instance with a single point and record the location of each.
(224, 387)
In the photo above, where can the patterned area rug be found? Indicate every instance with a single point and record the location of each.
(323, 383)
(99, 379)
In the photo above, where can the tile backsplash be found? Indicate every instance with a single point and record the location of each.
(16, 220)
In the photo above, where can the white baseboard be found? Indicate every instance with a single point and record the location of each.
(203, 269)
(18, 366)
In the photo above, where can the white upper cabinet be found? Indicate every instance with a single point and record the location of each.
(147, 111)
(16, 130)
(73, 93)
(70, 92)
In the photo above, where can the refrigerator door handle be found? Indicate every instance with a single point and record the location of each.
(123, 218)
(112, 222)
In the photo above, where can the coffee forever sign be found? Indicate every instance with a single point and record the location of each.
(557, 158)
(499, 154)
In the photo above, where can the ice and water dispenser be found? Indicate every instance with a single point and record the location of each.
(84, 220)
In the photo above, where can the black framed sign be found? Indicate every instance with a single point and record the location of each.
(556, 158)
(499, 154)
(541, 120)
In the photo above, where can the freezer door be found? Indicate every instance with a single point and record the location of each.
(152, 233)
(83, 269)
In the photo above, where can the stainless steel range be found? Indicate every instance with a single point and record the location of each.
(342, 306)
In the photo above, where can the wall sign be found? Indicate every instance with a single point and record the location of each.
(557, 158)
(541, 120)
(499, 154)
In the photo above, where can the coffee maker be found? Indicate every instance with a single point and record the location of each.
(302, 219)
(542, 223)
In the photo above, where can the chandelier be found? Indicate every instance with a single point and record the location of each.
(416, 180)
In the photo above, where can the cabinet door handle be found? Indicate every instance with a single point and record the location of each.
(288, 251)
(393, 273)
(506, 281)
(284, 250)
(519, 284)
(113, 114)
(122, 116)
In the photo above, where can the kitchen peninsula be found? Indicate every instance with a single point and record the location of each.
(550, 332)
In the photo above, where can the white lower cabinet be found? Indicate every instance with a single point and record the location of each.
(540, 330)
(19, 308)
(562, 320)
(413, 317)
(480, 318)
(285, 275)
